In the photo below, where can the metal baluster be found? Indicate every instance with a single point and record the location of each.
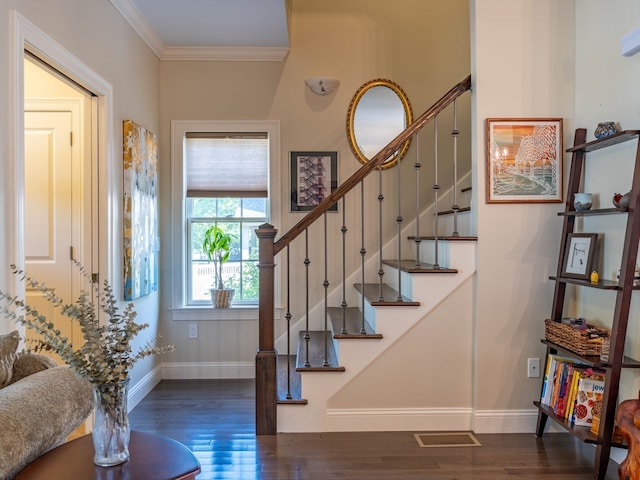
(363, 252)
(436, 188)
(307, 262)
(344, 267)
(399, 220)
(417, 166)
(325, 284)
(380, 270)
(288, 318)
(455, 207)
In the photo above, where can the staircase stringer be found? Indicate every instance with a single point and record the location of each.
(356, 355)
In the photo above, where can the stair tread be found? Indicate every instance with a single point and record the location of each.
(448, 238)
(387, 297)
(410, 266)
(352, 324)
(450, 211)
(316, 353)
(295, 387)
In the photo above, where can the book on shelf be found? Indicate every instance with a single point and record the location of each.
(588, 399)
(552, 378)
(572, 390)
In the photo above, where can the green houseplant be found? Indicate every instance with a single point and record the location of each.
(216, 245)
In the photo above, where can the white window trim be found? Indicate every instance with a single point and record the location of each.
(179, 308)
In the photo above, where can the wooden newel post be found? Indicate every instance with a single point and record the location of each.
(266, 358)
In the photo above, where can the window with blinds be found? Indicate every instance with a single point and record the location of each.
(227, 179)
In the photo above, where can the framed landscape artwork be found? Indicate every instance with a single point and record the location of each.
(524, 160)
(140, 156)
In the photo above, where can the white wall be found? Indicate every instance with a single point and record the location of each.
(522, 57)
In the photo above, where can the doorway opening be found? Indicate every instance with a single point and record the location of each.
(58, 188)
(97, 234)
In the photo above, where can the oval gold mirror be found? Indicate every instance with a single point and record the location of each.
(378, 112)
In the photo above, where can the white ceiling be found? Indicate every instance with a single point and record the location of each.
(210, 29)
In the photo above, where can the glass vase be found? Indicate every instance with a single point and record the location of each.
(111, 430)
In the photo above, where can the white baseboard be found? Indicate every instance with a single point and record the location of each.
(393, 419)
(208, 370)
(435, 419)
(506, 421)
(141, 389)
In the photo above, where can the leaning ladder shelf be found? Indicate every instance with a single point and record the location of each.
(623, 290)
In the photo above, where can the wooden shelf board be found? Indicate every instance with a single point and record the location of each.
(597, 211)
(591, 360)
(614, 139)
(602, 284)
(582, 433)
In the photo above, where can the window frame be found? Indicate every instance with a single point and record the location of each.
(179, 308)
(190, 220)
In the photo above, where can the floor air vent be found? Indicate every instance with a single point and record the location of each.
(450, 439)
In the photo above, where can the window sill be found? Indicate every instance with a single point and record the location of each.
(237, 313)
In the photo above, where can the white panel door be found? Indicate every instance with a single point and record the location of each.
(48, 210)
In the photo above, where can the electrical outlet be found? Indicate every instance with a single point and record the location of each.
(533, 367)
(193, 330)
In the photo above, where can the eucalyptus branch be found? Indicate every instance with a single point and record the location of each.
(106, 355)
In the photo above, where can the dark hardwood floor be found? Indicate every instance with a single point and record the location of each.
(215, 419)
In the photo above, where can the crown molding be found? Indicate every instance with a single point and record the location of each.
(132, 14)
(246, 54)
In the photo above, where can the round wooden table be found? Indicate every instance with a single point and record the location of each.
(153, 457)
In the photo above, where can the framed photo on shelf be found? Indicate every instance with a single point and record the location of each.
(579, 255)
(524, 160)
(314, 175)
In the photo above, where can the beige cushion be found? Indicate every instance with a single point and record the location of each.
(28, 363)
(8, 346)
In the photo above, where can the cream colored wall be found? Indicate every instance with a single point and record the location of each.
(355, 41)
(607, 90)
(97, 35)
(428, 367)
(523, 66)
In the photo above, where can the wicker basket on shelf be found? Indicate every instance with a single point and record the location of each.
(582, 342)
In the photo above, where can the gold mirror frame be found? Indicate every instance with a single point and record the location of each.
(351, 115)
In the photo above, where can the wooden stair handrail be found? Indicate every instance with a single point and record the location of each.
(373, 164)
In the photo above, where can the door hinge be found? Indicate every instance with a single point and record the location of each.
(71, 139)
(95, 277)
(71, 253)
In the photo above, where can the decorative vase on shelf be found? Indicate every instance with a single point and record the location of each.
(111, 430)
(604, 129)
(582, 201)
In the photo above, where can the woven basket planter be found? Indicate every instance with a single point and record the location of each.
(582, 342)
(221, 297)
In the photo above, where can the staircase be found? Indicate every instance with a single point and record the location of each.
(350, 338)
(387, 321)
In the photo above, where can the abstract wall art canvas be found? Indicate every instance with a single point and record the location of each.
(140, 155)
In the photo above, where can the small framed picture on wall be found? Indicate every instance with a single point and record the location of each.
(314, 175)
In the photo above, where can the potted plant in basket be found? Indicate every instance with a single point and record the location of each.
(217, 247)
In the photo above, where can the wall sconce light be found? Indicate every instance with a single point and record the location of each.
(322, 85)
